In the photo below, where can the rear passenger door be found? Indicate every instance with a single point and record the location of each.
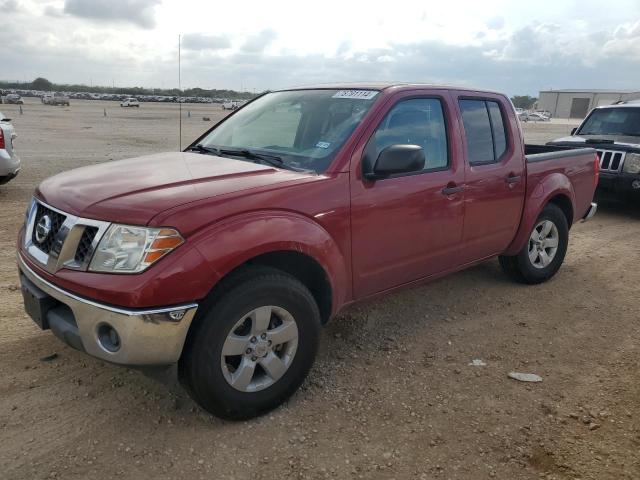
(494, 175)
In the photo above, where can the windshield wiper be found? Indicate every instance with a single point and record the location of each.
(272, 160)
(202, 149)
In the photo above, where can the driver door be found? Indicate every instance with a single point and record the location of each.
(408, 226)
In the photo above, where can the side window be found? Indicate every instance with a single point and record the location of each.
(484, 129)
(418, 121)
(497, 125)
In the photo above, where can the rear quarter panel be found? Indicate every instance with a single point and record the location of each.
(570, 176)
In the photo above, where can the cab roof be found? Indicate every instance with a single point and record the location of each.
(384, 86)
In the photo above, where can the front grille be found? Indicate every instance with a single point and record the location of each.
(57, 219)
(69, 243)
(84, 249)
(610, 160)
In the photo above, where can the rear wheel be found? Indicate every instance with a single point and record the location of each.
(542, 256)
(251, 348)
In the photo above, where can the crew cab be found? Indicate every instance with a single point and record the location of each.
(57, 98)
(614, 131)
(227, 258)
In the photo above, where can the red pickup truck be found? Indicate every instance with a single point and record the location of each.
(228, 257)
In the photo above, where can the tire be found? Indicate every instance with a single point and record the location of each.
(209, 377)
(529, 265)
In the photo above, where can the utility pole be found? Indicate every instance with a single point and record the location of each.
(179, 99)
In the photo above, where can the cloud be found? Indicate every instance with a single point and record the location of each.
(495, 23)
(199, 41)
(536, 55)
(259, 42)
(52, 11)
(8, 6)
(138, 12)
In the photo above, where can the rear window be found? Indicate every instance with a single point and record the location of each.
(484, 128)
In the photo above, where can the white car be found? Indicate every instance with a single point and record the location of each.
(537, 117)
(9, 160)
(130, 102)
(233, 105)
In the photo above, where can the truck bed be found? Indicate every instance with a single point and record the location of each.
(575, 164)
(538, 153)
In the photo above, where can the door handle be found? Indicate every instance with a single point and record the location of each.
(452, 189)
(513, 178)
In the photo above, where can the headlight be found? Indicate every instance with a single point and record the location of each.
(632, 163)
(127, 249)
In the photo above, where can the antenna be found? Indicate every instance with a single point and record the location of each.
(179, 99)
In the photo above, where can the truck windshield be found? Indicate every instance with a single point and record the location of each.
(613, 121)
(304, 128)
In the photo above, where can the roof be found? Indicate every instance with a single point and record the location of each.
(595, 90)
(628, 104)
(383, 86)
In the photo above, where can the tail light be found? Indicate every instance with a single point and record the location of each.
(596, 170)
(2, 144)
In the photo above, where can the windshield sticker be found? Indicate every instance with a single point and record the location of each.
(357, 94)
(323, 144)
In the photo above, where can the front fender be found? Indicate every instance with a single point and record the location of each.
(549, 187)
(232, 242)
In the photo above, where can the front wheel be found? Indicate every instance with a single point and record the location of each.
(252, 347)
(542, 256)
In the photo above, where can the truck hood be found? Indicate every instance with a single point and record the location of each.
(629, 142)
(135, 190)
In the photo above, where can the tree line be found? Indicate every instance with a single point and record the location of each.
(47, 86)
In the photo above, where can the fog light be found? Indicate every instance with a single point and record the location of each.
(635, 184)
(108, 338)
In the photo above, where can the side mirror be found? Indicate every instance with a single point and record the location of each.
(396, 159)
(574, 130)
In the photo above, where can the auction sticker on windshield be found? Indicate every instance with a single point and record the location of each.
(359, 94)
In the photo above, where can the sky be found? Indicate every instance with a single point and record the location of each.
(518, 47)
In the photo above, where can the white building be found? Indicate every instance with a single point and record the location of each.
(571, 103)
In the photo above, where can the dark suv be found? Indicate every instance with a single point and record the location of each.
(614, 131)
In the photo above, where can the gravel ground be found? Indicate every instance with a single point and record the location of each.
(392, 395)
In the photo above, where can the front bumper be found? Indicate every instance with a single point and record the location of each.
(146, 337)
(622, 182)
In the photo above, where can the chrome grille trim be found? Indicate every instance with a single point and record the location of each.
(66, 240)
(611, 160)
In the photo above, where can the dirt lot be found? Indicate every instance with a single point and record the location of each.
(392, 394)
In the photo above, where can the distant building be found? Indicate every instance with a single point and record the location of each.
(571, 103)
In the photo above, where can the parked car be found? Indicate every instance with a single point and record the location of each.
(229, 256)
(231, 105)
(14, 98)
(537, 117)
(614, 131)
(9, 160)
(130, 102)
(57, 98)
